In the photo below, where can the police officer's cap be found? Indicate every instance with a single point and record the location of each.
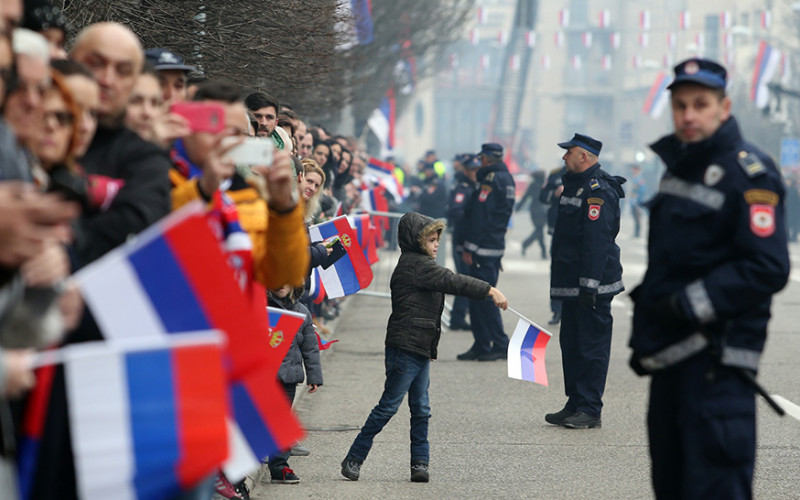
(163, 59)
(472, 162)
(583, 141)
(491, 149)
(701, 71)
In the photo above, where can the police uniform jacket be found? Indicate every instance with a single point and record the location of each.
(457, 202)
(487, 213)
(717, 253)
(585, 255)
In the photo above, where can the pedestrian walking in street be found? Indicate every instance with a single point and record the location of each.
(418, 286)
(717, 253)
(549, 196)
(585, 275)
(538, 211)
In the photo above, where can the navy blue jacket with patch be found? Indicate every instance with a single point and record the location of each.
(717, 244)
(487, 212)
(585, 254)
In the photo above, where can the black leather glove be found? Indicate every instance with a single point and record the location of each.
(669, 311)
(637, 367)
(587, 299)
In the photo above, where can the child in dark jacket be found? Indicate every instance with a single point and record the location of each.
(304, 351)
(418, 286)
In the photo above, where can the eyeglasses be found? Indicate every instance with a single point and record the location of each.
(63, 118)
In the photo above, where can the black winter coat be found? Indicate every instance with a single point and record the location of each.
(304, 350)
(418, 286)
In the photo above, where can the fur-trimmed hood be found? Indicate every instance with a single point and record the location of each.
(414, 228)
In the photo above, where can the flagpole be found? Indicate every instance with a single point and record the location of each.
(529, 321)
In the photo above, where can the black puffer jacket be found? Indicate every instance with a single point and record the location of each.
(418, 286)
(304, 350)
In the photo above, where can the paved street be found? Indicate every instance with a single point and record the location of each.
(488, 435)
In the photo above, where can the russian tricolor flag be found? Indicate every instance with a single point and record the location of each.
(172, 279)
(657, 98)
(145, 424)
(350, 273)
(526, 353)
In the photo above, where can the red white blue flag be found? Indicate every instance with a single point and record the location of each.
(382, 122)
(766, 66)
(658, 97)
(173, 279)
(383, 173)
(350, 273)
(324, 344)
(316, 289)
(526, 353)
(364, 232)
(145, 423)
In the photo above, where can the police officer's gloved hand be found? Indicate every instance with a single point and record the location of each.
(587, 299)
(670, 313)
(636, 366)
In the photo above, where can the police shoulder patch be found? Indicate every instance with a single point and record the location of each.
(751, 164)
(593, 184)
(595, 201)
(761, 197)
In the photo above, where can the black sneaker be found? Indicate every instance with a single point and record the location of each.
(285, 476)
(558, 417)
(242, 490)
(556, 319)
(351, 469)
(419, 473)
(467, 356)
(580, 420)
(493, 356)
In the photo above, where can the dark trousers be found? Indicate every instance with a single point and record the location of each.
(281, 460)
(460, 303)
(585, 350)
(702, 429)
(487, 325)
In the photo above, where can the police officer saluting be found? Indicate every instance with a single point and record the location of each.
(482, 235)
(717, 254)
(585, 275)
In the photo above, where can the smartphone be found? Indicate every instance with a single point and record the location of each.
(331, 241)
(253, 151)
(202, 117)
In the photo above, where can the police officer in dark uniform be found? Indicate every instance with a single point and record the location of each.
(717, 254)
(549, 196)
(465, 166)
(483, 237)
(585, 275)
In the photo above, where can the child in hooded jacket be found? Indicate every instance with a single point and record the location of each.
(304, 351)
(418, 286)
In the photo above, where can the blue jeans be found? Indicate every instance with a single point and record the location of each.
(405, 373)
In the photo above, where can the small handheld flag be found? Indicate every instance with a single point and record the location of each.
(324, 344)
(349, 274)
(526, 352)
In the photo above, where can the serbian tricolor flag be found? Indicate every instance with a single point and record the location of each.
(283, 326)
(259, 408)
(382, 122)
(526, 353)
(33, 426)
(363, 227)
(146, 423)
(173, 278)
(350, 273)
(324, 344)
(316, 289)
(657, 98)
(767, 62)
(384, 173)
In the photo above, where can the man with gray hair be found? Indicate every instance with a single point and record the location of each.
(24, 105)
